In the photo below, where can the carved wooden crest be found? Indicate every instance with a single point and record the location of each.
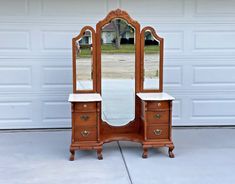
(118, 13)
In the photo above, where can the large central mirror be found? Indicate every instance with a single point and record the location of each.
(118, 72)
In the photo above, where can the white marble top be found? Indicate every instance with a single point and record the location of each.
(155, 96)
(85, 97)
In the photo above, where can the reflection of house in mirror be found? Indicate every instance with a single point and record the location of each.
(86, 39)
(149, 39)
(117, 30)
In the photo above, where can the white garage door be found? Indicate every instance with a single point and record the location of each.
(35, 57)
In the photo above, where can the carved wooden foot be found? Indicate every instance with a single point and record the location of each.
(171, 154)
(72, 155)
(145, 153)
(99, 154)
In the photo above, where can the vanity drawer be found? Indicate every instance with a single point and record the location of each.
(85, 133)
(157, 117)
(159, 105)
(85, 118)
(85, 106)
(158, 132)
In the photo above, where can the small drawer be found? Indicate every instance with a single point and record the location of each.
(158, 132)
(85, 118)
(85, 106)
(85, 133)
(157, 117)
(157, 105)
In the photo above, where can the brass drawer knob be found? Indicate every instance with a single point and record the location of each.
(85, 133)
(85, 105)
(157, 116)
(157, 132)
(159, 104)
(84, 117)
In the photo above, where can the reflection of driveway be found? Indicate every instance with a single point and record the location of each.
(117, 66)
(118, 86)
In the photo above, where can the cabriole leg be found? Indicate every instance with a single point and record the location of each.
(99, 154)
(145, 153)
(171, 154)
(72, 155)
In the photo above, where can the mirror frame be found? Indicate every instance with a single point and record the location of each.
(119, 14)
(93, 62)
(161, 42)
(139, 61)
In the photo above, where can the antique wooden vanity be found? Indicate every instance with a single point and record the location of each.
(117, 87)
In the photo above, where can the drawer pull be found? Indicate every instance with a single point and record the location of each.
(157, 132)
(157, 116)
(85, 133)
(85, 105)
(84, 117)
(159, 104)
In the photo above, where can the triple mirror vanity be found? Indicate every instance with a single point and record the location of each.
(118, 87)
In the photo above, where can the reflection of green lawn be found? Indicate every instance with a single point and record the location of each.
(85, 53)
(110, 48)
(124, 48)
(127, 48)
(151, 49)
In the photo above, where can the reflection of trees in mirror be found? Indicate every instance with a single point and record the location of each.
(118, 48)
(117, 36)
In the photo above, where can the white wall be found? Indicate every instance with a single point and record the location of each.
(35, 57)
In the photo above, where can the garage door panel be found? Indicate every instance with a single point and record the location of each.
(220, 40)
(57, 40)
(15, 76)
(214, 75)
(207, 109)
(56, 110)
(14, 40)
(167, 8)
(173, 76)
(57, 77)
(213, 108)
(34, 111)
(174, 40)
(71, 7)
(6, 8)
(216, 7)
(21, 110)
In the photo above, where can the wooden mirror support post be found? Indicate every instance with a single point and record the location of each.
(152, 123)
